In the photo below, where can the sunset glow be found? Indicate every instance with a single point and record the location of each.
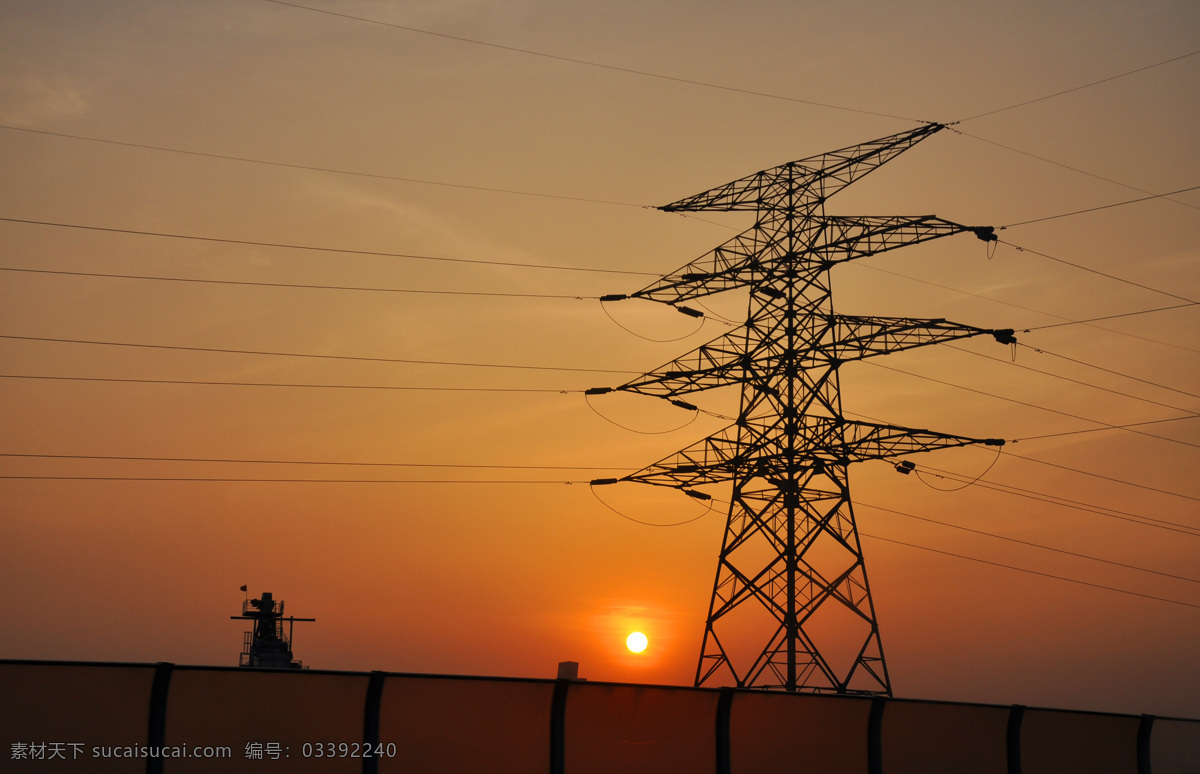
(310, 301)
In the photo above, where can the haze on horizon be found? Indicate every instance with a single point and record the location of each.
(298, 127)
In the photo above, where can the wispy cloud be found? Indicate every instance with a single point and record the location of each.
(33, 99)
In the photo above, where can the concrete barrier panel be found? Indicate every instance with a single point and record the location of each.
(286, 713)
(936, 738)
(640, 730)
(466, 725)
(1056, 742)
(88, 714)
(798, 734)
(1175, 747)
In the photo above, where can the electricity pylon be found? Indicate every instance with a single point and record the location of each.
(791, 607)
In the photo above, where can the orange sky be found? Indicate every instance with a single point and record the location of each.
(509, 578)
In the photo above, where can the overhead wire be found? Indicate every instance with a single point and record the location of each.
(588, 63)
(332, 463)
(1101, 476)
(219, 480)
(1029, 543)
(1112, 317)
(312, 168)
(1076, 88)
(208, 383)
(1090, 270)
(1112, 427)
(1042, 351)
(323, 249)
(1067, 166)
(1060, 377)
(274, 353)
(1025, 570)
(1066, 502)
(1067, 320)
(1106, 426)
(1101, 207)
(299, 285)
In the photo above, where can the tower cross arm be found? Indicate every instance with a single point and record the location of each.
(857, 337)
(714, 460)
(728, 266)
(870, 441)
(804, 183)
(720, 362)
(847, 238)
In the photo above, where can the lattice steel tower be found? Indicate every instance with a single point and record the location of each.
(791, 608)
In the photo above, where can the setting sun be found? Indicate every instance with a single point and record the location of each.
(636, 642)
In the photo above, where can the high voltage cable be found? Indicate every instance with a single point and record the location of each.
(1066, 166)
(1111, 317)
(287, 480)
(1055, 499)
(1048, 314)
(1008, 364)
(1100, 476)
(545, 195)
(340, 463)
(310, 168)
(1101, 207)
(1073, 89)
(1090, 270)
(295, 285)
(276, 384)
(587, 63)
(313, 355)
(1113, 427)
(764, 94)
(1041, 351)
(1066, 502)
(353, 463)
(1031, 572)
(319, 249)
(1029, 543)
(1106, 426)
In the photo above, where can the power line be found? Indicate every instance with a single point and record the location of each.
(285, 480)
(311, 168)
(1113, 317)
(341, 463)
(588, 63)
(1065, 166)
(1048, 314)
(1065, 502)
(320, 249)
(1102, 207)
(1031, 572)
(1090, 270)
(1031, 544)
(295, 285)
(1113, 427)
(1008, 364)
(1100, 476)
(1062, 467)
(275, 384)
(313, 355)
(1041, 351)
(1126, 427)
(1074, 88)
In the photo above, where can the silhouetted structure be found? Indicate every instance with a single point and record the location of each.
(791, 607)
(266, 645)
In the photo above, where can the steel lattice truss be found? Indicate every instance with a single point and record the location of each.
(791, 607)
